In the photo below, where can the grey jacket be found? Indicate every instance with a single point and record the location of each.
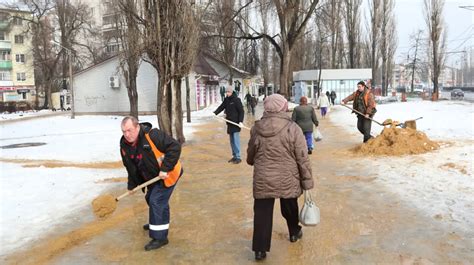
(277, 150)
(305, 117)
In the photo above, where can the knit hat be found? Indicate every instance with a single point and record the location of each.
(275, 103)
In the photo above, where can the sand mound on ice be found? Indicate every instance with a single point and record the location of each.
(104, 205)
(396, 142)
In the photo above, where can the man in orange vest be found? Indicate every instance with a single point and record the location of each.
(148, 153)
(364, 102)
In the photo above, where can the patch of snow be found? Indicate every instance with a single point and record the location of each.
(34, 200)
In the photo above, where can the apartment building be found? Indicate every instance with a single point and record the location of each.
(17, 80)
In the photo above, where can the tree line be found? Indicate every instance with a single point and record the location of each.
(271, 38)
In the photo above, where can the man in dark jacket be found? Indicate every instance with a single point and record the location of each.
(139, 159)
(234, 111)
(364, 102)
(333, 97)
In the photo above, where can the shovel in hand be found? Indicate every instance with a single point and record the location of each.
(358, 112)
(234, 123)
(105, 205)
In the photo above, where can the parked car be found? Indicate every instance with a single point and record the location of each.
(457, 94)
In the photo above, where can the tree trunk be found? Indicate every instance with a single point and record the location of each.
(284, 73)
(434, 97)
(188, 100)
(133, 96)
(177, 117)
(163, 111)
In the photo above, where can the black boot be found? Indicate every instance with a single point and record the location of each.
(294, 238)
(146, 227)
(260, 255)
(155, 244)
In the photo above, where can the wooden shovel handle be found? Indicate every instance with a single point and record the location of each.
(151, 181)
(356, 111)
(231, 122)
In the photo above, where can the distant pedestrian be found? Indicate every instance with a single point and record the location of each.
(222, 92)
(305, 117)
(328, 95)
(282, 170)
(363, 102)
(323, 104)
(253, 104)
(234, 111)
(333, 97)
(248, 98)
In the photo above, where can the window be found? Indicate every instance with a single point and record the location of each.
(5, 76)
(17, 21)
(5, 56)
(20, 58)
(113, 48)
(19, 39)
(20, 76)
(3, 36)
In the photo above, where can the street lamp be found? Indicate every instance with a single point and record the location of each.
(69, 53)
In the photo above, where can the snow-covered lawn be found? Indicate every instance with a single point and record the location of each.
(439, 183)
(34, 200)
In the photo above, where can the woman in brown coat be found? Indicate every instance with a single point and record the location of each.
(277, 150)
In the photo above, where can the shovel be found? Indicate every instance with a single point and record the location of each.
(410, 123)
(231, 122)
(105, 205)
(358, 112)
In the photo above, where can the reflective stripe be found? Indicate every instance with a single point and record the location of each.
(159, 227)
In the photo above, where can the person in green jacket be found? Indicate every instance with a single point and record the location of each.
(305, 117)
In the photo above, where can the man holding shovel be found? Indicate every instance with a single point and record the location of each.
(146, 154)
(234, 112)
(364, 103)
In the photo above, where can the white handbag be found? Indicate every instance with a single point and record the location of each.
(309, 214)
(318, 135)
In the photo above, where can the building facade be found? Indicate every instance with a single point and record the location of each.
(341, 81)
(17, 80)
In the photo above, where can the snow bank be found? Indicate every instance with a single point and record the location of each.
(35, 200)
(444, 120)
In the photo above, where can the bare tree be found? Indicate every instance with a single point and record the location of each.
(375, 19)
(264, 10)
(352, 22)
(170, 41)
(387, 28)
(131, 50)
(434, 21)
(416, 45)
(332, 21)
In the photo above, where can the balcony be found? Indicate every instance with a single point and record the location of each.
(5, 45)
(5, 65)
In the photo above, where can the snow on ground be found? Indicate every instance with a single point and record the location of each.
(443, 120)
(25, 114)
(439, 183)
(34, 200)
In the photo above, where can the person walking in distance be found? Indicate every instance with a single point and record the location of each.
(282, 170)
(234, 112)
(332, 97)
(305, 117)
(323, 104)
(148, 153)
(364, 102)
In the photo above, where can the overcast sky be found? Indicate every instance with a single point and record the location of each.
(459, 23)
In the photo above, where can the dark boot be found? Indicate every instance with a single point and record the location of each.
(260, 255)
(294, 238)
(146, 227)
(155, 244)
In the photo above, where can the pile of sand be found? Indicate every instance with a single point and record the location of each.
(397, 141)
(104, 205)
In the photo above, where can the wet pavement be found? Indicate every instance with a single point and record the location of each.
(212, 217)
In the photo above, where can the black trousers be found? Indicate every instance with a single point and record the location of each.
(364, 125)
(263, 221)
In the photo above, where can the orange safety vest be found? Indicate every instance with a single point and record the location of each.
(174, 174)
